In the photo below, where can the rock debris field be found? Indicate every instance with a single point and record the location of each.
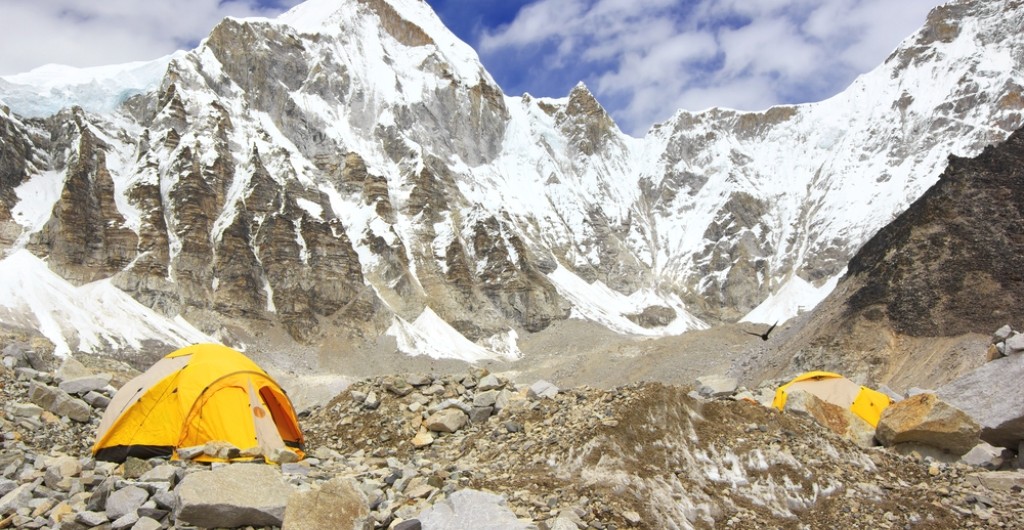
(475, 450)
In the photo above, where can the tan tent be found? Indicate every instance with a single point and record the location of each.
(836, 389)
(199, 394)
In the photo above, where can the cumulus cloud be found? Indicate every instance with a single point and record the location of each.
(647, 58)
(77, 33)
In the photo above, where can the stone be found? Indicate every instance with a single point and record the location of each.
(485, 399)
(447, 420)
(96, 400)
(136, 467)
(160, 473)
(489, 382)
(84, 385)
(18, 497)
(998, 480)
(542, 389)
(25, 410)
(127, 520)
(1014, 344)
(985, 455)
(408, 524)
(283, 455)
(1002, 334)
(337, 503)
(124, 501)
(147, 523)
(423, 438)
(839, 420)
(480, 414)
(716, 385)
(471, 509)
(419, 379)
(926, 419)
(231, 496)
(562, 523)
(59, 402)
(91, 519)
(503, 400)
(993, 396)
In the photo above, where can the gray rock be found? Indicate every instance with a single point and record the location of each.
(127, 520)
(337, 503)
(232, 496)
(409, 524)
(502, 401)
(25, 410)
(542, 389)
(985, 455)
(7, 486)
(124, 501)
(96, 400)
(84, 385)
(1014, 344)
(562, 523)
(471, 509)
(59, 402)
(91, 519)
(160, 473)
(18, 497)
(489, 382)
(993, 396)
(147, 523)
(419, 379)
(485, 399)
(480, 414)
(1002, 334)
(447, 420)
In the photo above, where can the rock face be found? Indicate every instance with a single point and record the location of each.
(992, 395)
(949, 267)
(928, 420)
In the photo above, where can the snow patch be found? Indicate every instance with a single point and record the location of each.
(430, 335)
(598, 302)
(794, 297)
(92, 318)
(36, 198)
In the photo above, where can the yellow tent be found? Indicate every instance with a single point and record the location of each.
(836, 389)
(198, 394)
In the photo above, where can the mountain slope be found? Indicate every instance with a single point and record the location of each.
(923, 296)
(350, 169)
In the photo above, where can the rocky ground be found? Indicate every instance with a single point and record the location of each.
(412, 449)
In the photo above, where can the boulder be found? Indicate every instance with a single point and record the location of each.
(985, 455)
(124, 501)
(84, 385)
(835, 418)
(471, 509)
(232, 496)
(447, 420)
(1014, 344)
(59, 402)
(928, 420)
(993, 396)
(337, 503)
(542, 389)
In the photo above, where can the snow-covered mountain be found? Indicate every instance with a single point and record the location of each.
(349, 170)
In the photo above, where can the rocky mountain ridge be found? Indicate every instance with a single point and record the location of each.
(350, 171)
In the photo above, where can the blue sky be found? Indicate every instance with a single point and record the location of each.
(643, 59)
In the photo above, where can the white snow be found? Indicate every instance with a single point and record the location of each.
(794, 297)
(36, 198)
(430, 335)
(48, 89)
(91, 318)
(599, 303)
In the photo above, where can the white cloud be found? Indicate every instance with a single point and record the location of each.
(78, 33)
(647, 58)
